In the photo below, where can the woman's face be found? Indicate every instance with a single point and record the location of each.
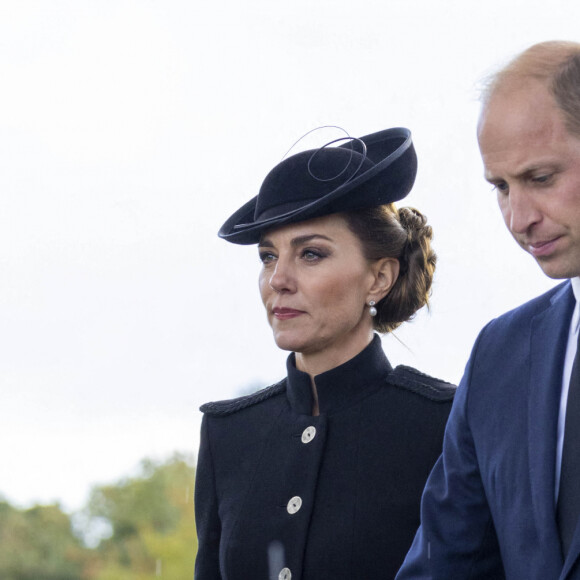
(315, 283)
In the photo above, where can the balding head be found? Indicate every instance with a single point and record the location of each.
(529, 138)
(556, 65)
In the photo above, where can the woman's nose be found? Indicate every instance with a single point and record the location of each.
(282, 279)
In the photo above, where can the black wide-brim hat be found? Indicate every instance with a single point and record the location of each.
(373, 170)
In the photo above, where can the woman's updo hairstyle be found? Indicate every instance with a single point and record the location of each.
(388, 232)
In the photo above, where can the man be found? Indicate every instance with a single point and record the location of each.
(504, 498)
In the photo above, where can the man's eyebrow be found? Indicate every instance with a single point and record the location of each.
(541, 168)
(296, 242)
(492, 179)
(526, 172)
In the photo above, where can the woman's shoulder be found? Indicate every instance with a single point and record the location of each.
(415, 381)
(230, 406)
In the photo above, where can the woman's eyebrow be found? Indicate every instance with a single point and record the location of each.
(301, 240)
(296, 242)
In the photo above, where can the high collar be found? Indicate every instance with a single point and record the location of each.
(341, 386)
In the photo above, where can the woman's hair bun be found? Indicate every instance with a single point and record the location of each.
(386, 231)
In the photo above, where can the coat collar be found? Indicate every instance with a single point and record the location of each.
(341, 386)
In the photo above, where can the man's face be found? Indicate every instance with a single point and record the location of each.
(534, 164)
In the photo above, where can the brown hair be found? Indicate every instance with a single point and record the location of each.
(388, 232)
(556, 64)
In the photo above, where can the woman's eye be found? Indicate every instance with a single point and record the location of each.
(266, 257)
(313, 255)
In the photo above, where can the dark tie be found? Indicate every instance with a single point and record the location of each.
(568, 509)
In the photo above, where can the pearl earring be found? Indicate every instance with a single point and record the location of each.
(372, 309)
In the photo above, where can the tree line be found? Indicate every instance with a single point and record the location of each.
(140, 528)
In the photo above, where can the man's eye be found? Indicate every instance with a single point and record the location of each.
(542, 178)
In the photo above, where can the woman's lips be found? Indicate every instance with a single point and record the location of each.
(286, 313)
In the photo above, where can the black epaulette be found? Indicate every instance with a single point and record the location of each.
(422, 384)
(223, 408)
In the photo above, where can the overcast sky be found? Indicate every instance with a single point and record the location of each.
(131, 129)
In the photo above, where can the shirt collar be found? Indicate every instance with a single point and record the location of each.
(576, 314)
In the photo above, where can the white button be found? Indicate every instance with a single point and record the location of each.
(308, 434)
(285, 574)
(294, 504)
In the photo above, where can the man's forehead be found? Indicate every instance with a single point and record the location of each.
(525, 118)
(516, 105)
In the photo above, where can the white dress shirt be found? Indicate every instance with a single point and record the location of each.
(568, 362)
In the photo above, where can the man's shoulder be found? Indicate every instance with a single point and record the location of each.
(511, 331)
(536, 305)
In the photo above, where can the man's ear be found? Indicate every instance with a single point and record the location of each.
(386, 272)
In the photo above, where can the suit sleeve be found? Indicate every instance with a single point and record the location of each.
(206, 513)
(457, 537)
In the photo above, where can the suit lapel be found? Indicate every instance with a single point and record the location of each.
(549, 335)
(571, 570)
(571, 565)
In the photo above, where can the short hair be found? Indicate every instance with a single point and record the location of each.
(556, 64)
(387, 232)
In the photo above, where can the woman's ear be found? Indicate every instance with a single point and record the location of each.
(386, 272)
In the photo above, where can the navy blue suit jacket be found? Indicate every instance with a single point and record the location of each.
(488, 510)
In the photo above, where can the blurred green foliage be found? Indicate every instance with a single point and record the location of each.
(38, 544)
(148, 518)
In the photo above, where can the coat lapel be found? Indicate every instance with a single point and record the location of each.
(549, 335)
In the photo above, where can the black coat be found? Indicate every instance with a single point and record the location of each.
(276, 498)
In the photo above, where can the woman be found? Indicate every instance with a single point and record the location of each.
(320, 475)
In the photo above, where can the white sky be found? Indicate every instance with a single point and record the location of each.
(131, 129)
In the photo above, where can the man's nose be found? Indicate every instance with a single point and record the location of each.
(523, 212)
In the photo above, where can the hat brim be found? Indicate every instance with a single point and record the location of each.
(390, 179)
